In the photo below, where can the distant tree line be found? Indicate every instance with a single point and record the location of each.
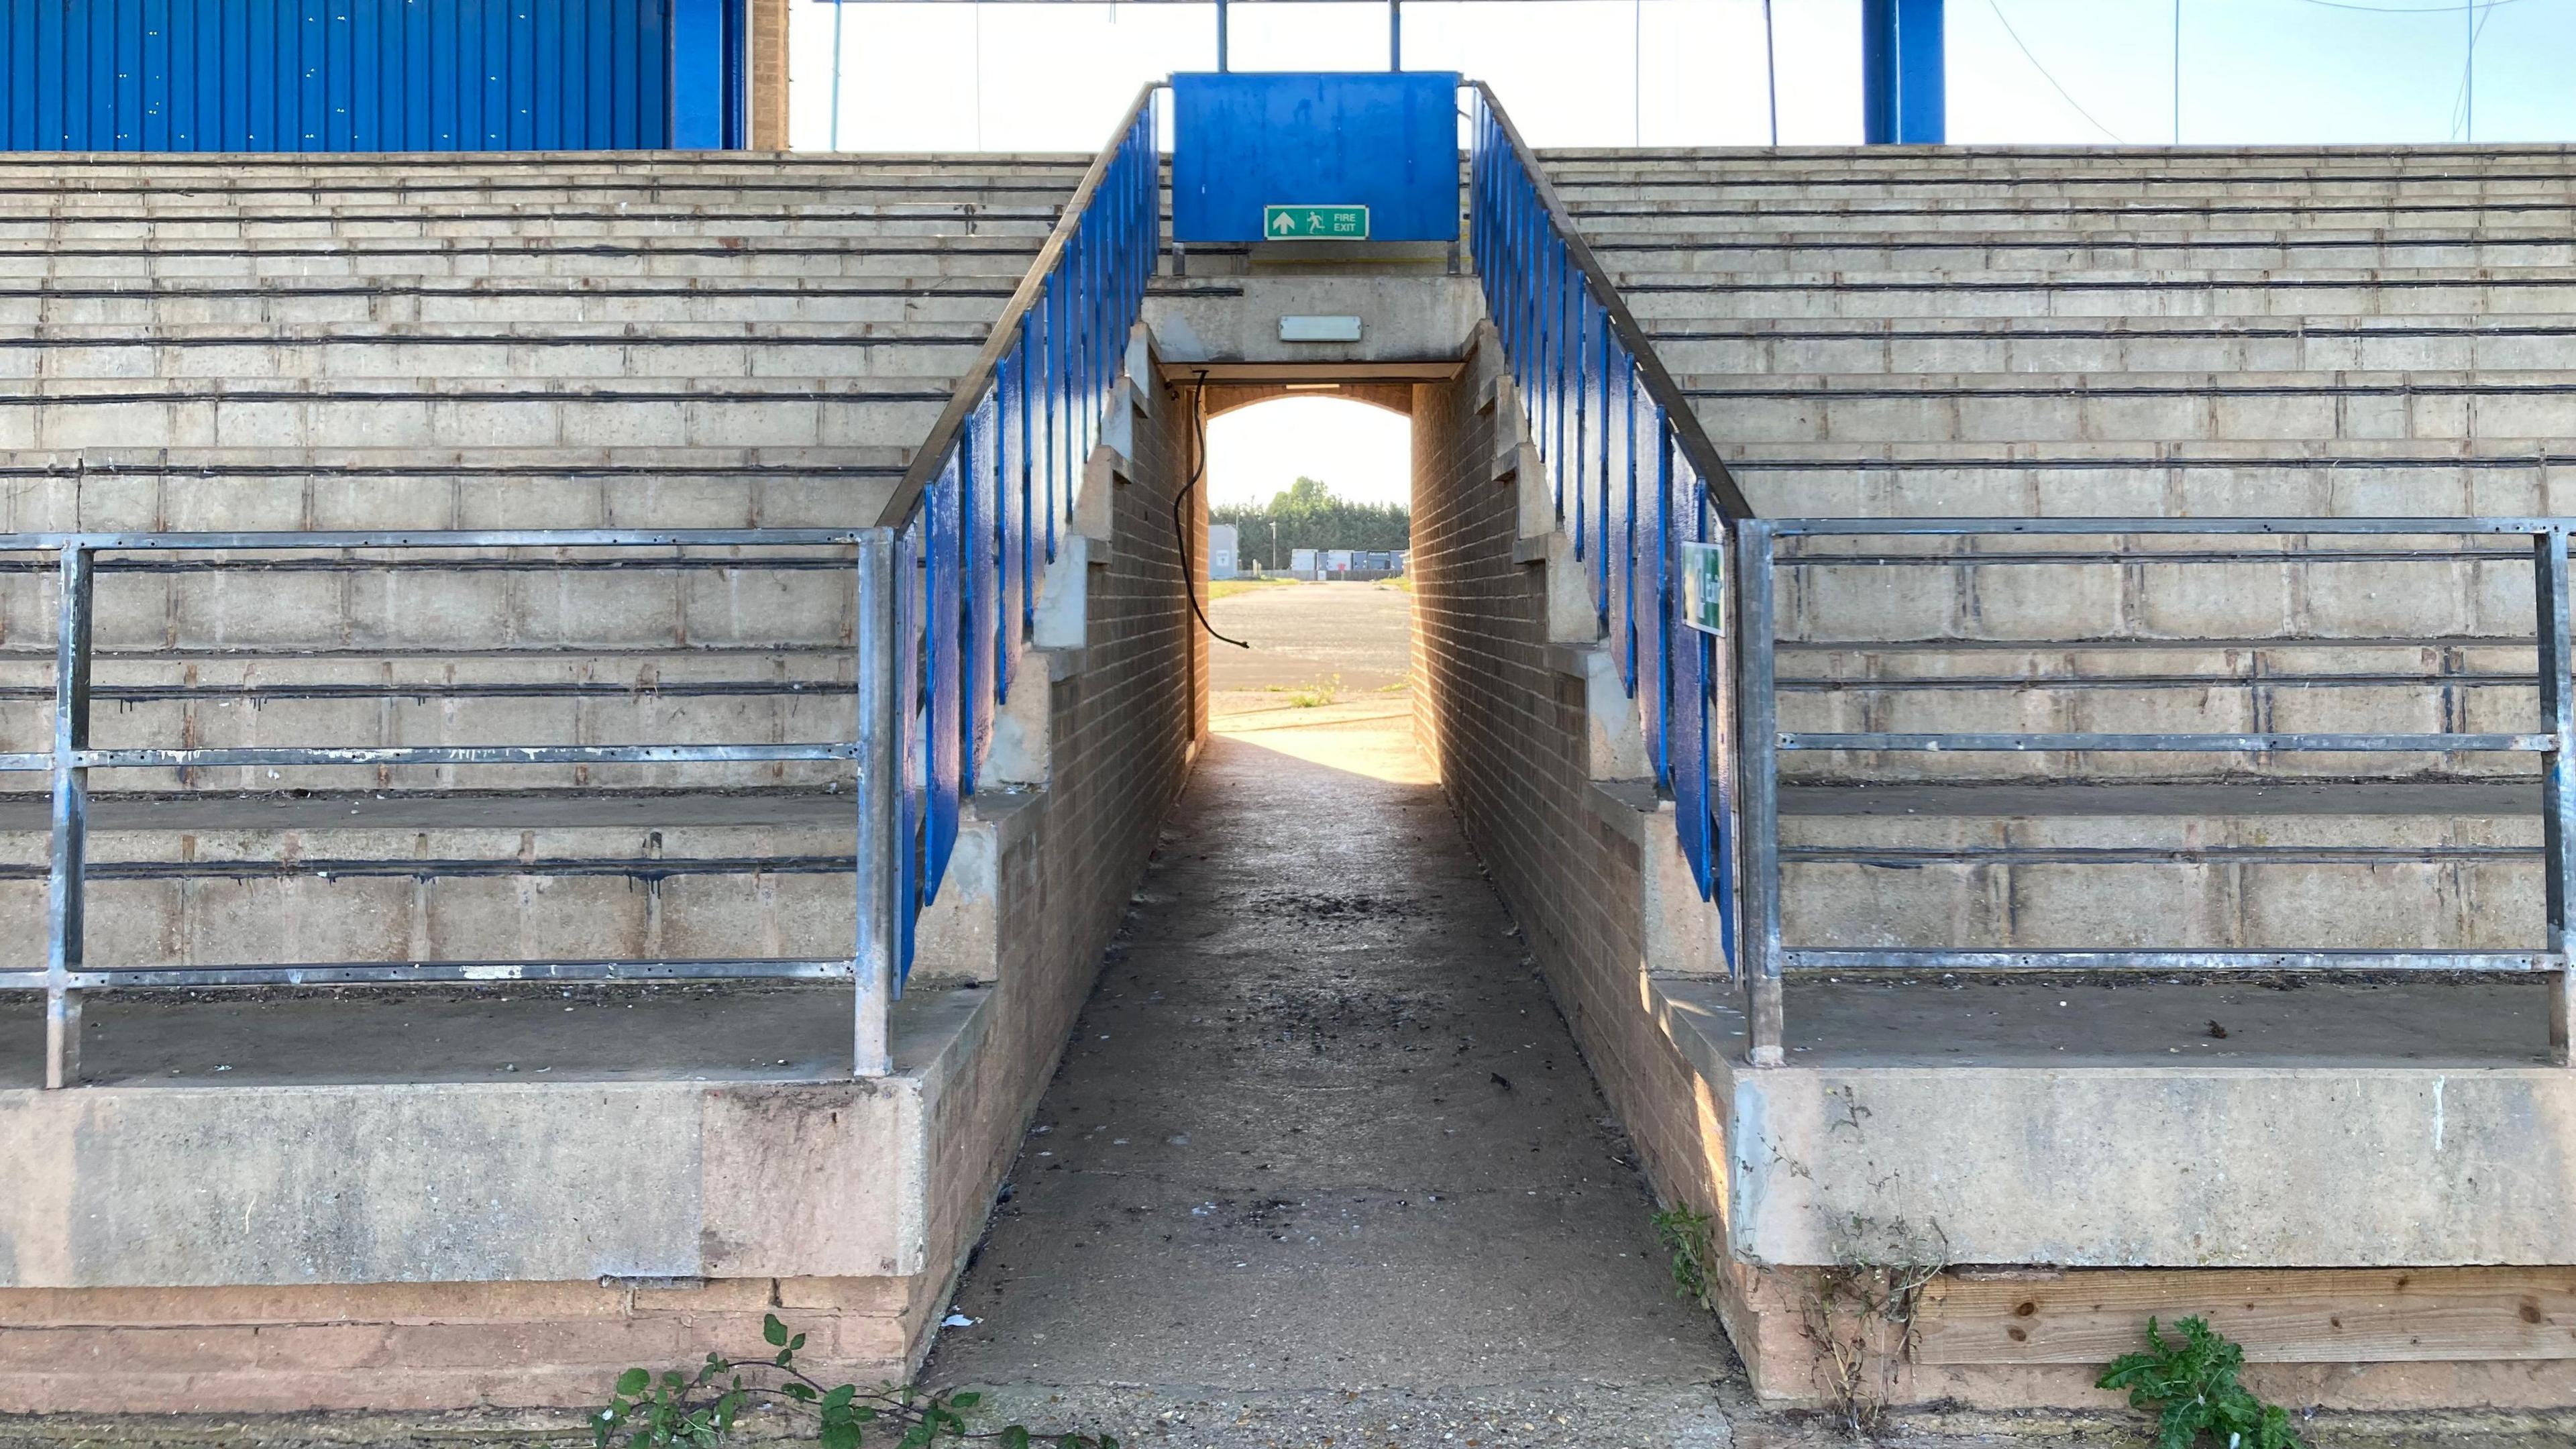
(1311, 515)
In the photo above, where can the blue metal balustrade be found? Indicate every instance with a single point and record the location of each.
(979, 512)
(1633, 476)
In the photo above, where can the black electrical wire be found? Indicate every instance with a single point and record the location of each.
(1180, 534)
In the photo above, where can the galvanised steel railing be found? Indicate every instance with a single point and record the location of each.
(1632, 474)
(946, 587)
(1767, 960)
(975, 518)
(67, 972)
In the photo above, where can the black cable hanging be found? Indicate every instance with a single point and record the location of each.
(1180, 534)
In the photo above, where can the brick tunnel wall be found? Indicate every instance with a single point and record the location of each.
(1507, 725)
(1126, 724)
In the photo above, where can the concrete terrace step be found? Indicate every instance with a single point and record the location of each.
(2207, 866)
(2314, 291)
(2256, 686)
(1880, 250)
(2114, 344)
(356, 351)
(268, 879)
(2518, 410)
(2212, 214)
(2072, 478)
(675, 411)
(625, 300)
(305, 226)
(746, 257)
(358, 692)
(215, 489)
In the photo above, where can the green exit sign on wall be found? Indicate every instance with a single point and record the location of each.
(1315, 223)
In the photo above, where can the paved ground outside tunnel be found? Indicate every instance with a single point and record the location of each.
(1323, 1165)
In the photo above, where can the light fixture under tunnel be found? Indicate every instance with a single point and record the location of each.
(1314, 387)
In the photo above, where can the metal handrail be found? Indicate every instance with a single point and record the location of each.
(1766, 960)
(1687, 432)
(941, 444)
(66, 973)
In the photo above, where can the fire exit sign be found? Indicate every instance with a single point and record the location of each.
(1315, 223)
(1703, 571)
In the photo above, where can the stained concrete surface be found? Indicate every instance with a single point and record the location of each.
(1323, 1165)
(730, 1031)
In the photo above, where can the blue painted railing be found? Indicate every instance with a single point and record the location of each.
(979, 511)
(1632, 474)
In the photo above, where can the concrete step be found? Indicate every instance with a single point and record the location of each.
(2005, 216)
(2380, 866)
(705, 412)
(2515, 409)
(2312, 292)
(2025, 160)
(114, 221)
(2111, 247)
(744, 257)
(362, 693)
(2231, 686)
(216, 489)
(2356, 478)
(1714, 183)
(619, 601)
(625, 301)
(1030, 224)
(457, 355)
(2077, 589)
(270, 879)
(2115, 344)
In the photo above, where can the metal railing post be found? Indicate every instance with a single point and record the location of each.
(65, 916)
(2557, 777)
(880, 919)
(1758, 791)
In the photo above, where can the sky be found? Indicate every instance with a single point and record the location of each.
(958, 76)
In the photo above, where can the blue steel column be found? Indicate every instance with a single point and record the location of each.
(2557, 780)
(1903, 86)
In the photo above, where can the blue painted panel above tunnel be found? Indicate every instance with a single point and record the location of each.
(1317, 141)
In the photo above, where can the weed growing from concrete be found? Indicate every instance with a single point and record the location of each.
(2194, 1378)
(1687, 1236)
(1308, 696)
(676, 1411)
(1861, 1314)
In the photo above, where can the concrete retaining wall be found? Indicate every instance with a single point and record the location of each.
(399, 1245)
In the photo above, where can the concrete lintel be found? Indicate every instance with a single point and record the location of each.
(1411, 320)
(2133, 1167)
(1531, 550)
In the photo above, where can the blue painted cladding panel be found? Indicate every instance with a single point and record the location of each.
(370, 75)
(1387, 140)
(1904, 81)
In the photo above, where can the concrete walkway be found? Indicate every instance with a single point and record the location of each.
(1323, 1166)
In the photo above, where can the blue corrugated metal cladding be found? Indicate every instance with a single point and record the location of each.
(371, 75)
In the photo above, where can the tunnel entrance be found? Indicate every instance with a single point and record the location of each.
(1322, 1121)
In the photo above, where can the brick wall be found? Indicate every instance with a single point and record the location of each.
(1126, 717)
(1125, 727)
(769, 75)
(1509, 730)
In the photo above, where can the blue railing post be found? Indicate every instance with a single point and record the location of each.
(1587, 379)
(1027, 415)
